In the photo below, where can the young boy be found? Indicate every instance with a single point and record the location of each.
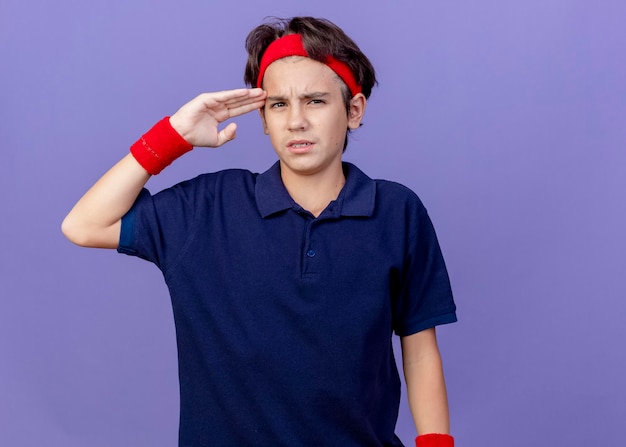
(287, 285)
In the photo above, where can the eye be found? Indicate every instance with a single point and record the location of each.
(276, 105)
(317, 101)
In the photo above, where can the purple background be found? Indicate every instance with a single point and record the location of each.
(508, 118)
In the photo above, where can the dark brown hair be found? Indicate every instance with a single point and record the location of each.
(321, 38)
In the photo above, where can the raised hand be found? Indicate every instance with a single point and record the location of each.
(198, 120)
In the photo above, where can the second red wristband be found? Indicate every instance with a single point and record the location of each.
(434, 440)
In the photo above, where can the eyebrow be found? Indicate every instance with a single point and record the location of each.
(312, 95)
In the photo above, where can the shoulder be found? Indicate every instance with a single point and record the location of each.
(395, 189)
(226, 175)
(387, 190)
(398, 196)
(226, 186)
(214, 182)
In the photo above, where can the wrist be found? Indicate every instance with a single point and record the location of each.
(177, 124)
(159, 147)
(434, 440)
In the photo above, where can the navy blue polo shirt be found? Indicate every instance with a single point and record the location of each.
(284, 320)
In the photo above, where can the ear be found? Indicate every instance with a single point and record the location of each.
(357, 110)
(262, 115)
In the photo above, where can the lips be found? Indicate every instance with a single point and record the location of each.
(299, 146)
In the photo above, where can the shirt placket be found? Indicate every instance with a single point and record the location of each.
(311, 255)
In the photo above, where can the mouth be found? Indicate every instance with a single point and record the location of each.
(299, 146)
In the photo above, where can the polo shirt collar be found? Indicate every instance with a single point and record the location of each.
(357, 197)
(271, 195)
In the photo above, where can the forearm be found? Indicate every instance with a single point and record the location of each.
(95, 219)
(425, 382)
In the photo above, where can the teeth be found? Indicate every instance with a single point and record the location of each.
(301, 145)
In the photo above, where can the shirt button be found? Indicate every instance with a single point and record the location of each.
(310, 253)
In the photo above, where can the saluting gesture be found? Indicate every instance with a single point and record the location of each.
(197, 121)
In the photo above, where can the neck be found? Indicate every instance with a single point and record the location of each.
(314, 192)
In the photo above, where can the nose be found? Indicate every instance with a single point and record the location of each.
(297, 118)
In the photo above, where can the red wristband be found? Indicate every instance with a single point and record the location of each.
(159, 147)
(434, 440)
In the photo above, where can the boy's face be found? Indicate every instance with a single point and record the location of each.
(305, 115)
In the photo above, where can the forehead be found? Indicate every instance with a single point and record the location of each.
(297, 73)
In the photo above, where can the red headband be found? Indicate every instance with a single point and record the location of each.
(291, 45)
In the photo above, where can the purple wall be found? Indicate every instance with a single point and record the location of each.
(508, 118)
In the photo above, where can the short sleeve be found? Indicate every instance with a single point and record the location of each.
(425, 296)
(157, 227)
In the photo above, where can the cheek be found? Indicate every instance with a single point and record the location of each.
(272, 131)
(269, 126)
(339, 128)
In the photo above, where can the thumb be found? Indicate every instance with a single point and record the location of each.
(227, 134)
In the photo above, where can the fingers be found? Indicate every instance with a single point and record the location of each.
(244, 107)
(237, 94)
(231, 103)
(227, 134)
(233, 98)
(197, 121)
